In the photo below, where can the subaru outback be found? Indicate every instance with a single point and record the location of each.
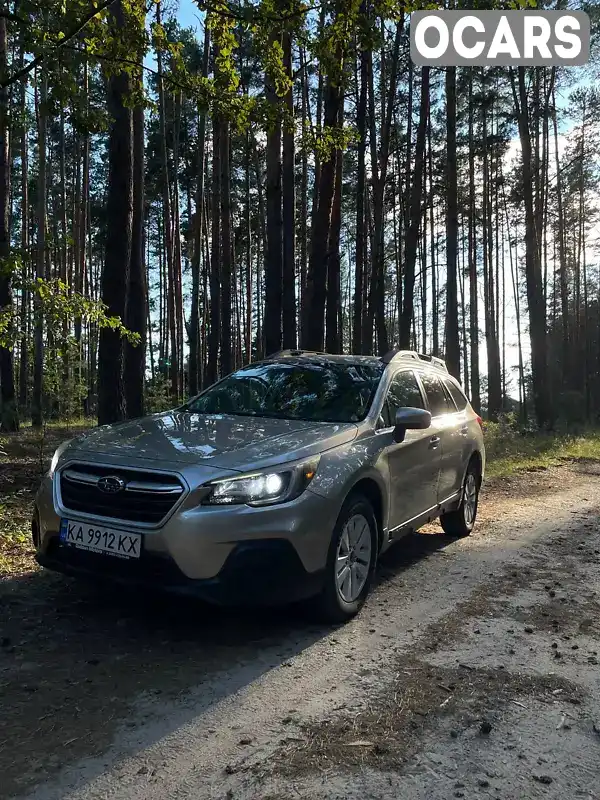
(281, 482)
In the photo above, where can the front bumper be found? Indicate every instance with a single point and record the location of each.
(231, 555)
(260, 572)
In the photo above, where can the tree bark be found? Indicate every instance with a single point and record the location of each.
(193, 382)
(533, 272)
(25, 253)
(333, 342)
(119, 216)
(38, 336)
(290, 333)
(472, 247)
(452, 345)
(212, 368)
(226, 248)
(167, 226)
(9, 417)
(361, 243)
(412, 236)
(135, 355)
(272, 331)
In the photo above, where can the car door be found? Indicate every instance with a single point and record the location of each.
(463, 422)
(444, 427)
(414, 463)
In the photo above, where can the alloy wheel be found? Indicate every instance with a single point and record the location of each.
(353, 559)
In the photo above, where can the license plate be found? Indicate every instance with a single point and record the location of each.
(100, 540)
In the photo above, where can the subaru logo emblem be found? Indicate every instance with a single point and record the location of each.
(111, 484)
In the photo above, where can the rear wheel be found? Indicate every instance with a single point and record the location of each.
(350, 562)
(462, 521)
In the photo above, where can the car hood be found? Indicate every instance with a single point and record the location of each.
(217, 440)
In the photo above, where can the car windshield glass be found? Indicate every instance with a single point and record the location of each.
(323, 392)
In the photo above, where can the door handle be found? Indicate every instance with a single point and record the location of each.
(434, 441)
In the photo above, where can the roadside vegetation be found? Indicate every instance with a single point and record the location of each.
(25, 456)
(511, 449)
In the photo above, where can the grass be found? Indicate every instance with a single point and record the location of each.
(509, 451)
(25, 456)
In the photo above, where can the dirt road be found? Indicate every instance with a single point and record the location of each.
(472, 672)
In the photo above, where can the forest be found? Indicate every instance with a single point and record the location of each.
(188, 188)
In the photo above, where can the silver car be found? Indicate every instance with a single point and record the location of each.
(283, 481)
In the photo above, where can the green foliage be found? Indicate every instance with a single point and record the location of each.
(60, 307)
(327, 139)
(158, 394)
(510, 447)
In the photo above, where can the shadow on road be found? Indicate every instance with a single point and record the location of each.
(75, 657)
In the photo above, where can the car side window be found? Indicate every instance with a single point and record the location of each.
(457, 395)
(404, 392)
(436, 396)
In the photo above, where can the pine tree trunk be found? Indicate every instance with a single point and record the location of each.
(226, 251)
(361, 244)
(119, 217)
(135, 355)
(333, 343)
(178, 291)
(412, 235)
(313, 334)
(212, 368)
(274, 256)
(25, 252)
(167, 226)
(9, 417)
(452, 343)
(248, 225)
(472, 247)
(533, 272)
(290, 334)
(494, 402)
(193, 373)
(38, 336)
(303, 221)
(562, 268)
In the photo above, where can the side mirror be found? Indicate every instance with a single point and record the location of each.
(410, 419)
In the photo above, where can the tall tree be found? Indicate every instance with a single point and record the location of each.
(135, 354)
(119, 213)
(274, 254)
(452, 340)
(193, 383)
(38, 337)
(9, 419)
(288, 308)
(533, 267)
(361, 240)
(412, 235)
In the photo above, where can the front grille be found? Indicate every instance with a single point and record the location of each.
(145, 497)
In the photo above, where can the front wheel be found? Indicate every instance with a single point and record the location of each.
(350, 562)
(462, 521)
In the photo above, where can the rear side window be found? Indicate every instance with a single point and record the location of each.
(436, 396)
(457, 395)
(404, 392)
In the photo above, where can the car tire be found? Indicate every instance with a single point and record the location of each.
(461, 521)
(355, 539)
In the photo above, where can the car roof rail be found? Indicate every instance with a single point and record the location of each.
(295, 352)
(399, 355)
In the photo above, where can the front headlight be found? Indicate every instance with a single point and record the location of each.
(262, 488)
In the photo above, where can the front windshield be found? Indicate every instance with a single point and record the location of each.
(322, 392)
